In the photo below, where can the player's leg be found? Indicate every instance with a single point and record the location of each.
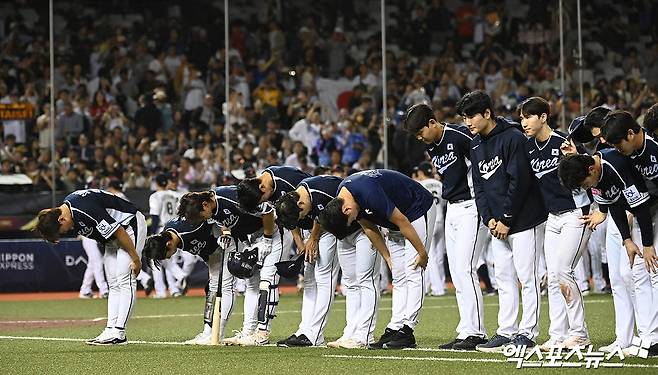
(109, 261)
(367, 275)
(580, 273)
(622, 291)
(309, 296)
(347, 258)
(228, 290)
(326, 277)
(384, 276)
(526, 247)
(645, 290)
(88, 278)
(250, 320)
(215, 267)
(159, 279)
(508, 296)
(558, 329)
(467, 236)
(435, 276)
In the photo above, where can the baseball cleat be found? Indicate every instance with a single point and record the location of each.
(285, 342)
(494, 345)
(574, 341)
(237, 335)
(551, 343)
(258, 338)
(450, 344)
(386, 337)
(403, 338)
(86, 295)
(150, 285)
(107, 333)
(111, 341)
(610, 348)
(300, 341)
(335, 344)
(352, 344)
(469, 343)
(202, 338)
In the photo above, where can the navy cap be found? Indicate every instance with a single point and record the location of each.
(579, 132)
(290, 268)
(425, 167)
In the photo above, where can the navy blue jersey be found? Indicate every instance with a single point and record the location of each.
(285, 180)
(618, 177)
(450, 156)
(229, 214)
(198, 239)
(98, 214)
(505, 187)
(379, 191)
(646, 159)
(544, 160)
(322, 189)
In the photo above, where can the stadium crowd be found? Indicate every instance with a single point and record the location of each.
(142, 91)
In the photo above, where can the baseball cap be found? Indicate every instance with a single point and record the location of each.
(424, 167)
(578, 132)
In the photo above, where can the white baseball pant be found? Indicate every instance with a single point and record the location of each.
(435, 280)
(408, 285)
(94, 271)
(173, 273)
(646, 289)
(121, 280)
(360, 263)
(564, 244)
(596, 249)
(517, 260)
(465, 238)
(320, 279)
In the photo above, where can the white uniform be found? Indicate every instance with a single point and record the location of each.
(94, 271)
(164, 204)
(435, 282)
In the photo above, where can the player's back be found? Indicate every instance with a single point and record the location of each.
(164, 204)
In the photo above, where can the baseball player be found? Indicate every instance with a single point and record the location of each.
(162, 208)
(566, 235)
(394, 201)
(584, 130)
(435, 282)
(358, 261)
(262, 191)
(198, 239)
(506, 194)
(448, 146)
(221, 206)
(94, 271)
(116, 223)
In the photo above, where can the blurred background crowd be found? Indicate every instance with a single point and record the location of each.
(140, 85)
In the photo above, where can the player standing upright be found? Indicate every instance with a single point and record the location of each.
(394, 201)
(449, 147)
(566, 235)
(116, 223)
(506, 193)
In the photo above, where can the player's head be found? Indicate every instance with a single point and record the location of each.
(53, 222)
(160, 246)
(622, 131)
(338, 215)
(594, 121)
(161, 180)
(196, 207)
(288, 212)
(578, 171)
(423, 170)
(252, 192)
(651, 119)
(421, 123)
(477, 111)
(534, 113)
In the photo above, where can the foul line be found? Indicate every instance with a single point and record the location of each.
(450, 359)
(37, 338)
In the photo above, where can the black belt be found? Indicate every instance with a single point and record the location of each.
(459, 201)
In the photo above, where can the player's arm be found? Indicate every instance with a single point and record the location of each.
(299, 241)
(517, 168)
(409, 232)
(126, 243)
(377, 240)
(480, 197)
(312, 244)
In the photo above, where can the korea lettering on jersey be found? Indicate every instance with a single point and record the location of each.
(616, 179)
(646, 160)
(488, 168)
(98, 214)
(229, 214)
(199, 239)
(450, 156)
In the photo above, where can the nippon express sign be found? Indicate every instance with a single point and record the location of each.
(16, 111)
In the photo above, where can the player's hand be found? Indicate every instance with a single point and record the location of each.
(136, 266)
(650, 258)
(224, 242)
(491, 224)
(301, 246)
(632, 250)
(421, 260)
(264, 249)
(594, 219)
(311, 251)
(568, 147)
(500, 231)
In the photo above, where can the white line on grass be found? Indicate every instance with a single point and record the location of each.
(447, 359)
(37, 338)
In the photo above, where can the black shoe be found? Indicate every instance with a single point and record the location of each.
(522, 340)
(149, 287)
(653, 351)
(490, 292)
(451, 344)
(300, 341)
(285, 342)
(607, 289)
(404, 338)
(386, 337)
(494, 345)
(469, 343)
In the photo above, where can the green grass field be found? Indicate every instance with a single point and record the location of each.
(159, 325)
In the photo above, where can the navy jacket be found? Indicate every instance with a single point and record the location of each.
(505, 186)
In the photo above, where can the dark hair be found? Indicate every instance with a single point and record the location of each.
(155, 247)
(418, 116)
(191, 204)
(616, 126)
(534, 106)
(475, 102)
(595, 117)
(574, 169)
(48, 224)
(287, 210)
(249, 194)
(651, 119)
(332, 218)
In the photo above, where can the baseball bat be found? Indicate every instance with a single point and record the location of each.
(216, 321)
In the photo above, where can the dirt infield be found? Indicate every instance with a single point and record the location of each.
(20, 325)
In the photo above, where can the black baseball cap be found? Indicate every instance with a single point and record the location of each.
(579, 132)
(424, 167)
